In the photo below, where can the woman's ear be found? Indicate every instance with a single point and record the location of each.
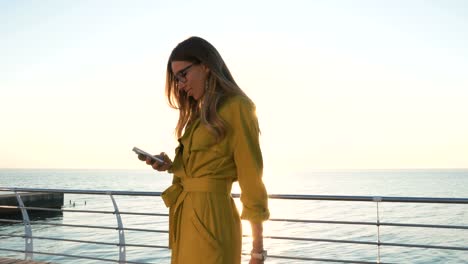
(205, 68)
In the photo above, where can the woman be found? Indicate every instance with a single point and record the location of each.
(218, 135)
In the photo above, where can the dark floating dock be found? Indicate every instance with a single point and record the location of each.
(32, 199)
(17, 261)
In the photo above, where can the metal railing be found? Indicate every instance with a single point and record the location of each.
(122, 245)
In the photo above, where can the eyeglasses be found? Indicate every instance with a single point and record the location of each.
(180, 76)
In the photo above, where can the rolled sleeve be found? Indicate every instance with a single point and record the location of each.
(249, 162)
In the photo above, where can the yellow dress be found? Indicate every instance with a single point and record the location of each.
(204, 224)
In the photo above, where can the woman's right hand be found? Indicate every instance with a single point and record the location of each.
(156, 165)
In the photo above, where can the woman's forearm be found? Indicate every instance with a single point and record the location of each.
(257, 236)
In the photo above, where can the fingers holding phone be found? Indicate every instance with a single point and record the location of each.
(160, 166)
(141, 157)
(160, 162)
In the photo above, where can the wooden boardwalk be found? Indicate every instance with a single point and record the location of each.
(18, 261)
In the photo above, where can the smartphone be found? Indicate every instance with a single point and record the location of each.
(146, 154)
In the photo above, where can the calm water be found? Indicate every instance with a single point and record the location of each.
(427, 183)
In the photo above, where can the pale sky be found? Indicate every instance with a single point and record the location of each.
(337, 84)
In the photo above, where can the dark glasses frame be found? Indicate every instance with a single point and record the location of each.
(180, 76)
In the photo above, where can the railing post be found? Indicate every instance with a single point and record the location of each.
(122, 253)
(377, 200)
(28, 241)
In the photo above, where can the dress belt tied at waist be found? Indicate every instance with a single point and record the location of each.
(175, 195)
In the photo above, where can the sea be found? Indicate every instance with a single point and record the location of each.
(446, 183)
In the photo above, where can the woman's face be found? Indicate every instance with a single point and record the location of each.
(190, 77)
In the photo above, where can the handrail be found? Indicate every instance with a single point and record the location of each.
(69, 256)
(350, 198)
(120, 228)
(27, 228)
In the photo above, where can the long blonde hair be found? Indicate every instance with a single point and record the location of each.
(219, 85)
